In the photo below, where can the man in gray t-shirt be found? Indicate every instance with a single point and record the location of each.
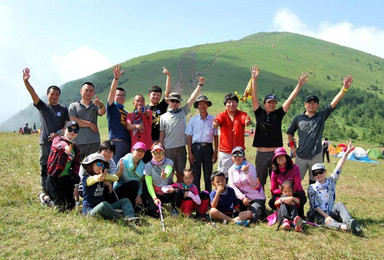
(85, 112)
(53, 117)
(172, 129)
(310, 126)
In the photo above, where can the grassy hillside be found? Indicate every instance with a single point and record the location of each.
(281, 57)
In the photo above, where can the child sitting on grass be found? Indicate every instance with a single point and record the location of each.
(224, 203)
(322, 196)
(187, 196)
(288, 205)
(95, 167)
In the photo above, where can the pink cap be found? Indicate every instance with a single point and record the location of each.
(139, 145)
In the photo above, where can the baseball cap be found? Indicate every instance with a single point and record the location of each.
(312, 97)
(318, 166)
(139, 145)
(72, 123)
(269, 98)
(238, 149)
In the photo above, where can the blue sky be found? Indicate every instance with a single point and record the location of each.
(65, 40)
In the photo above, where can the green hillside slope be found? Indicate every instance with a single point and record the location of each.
(281, 57)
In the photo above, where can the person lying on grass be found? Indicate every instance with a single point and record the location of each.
(224, 203)
(322, 196)
(287, 205)
(94, 204)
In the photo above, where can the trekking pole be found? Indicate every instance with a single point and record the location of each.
(161, 216)
(311, 224)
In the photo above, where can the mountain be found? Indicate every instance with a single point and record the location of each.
(281, 56)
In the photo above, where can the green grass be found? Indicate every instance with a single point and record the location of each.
(28, 230)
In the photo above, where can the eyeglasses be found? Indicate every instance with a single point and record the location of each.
(75, 130)
(238, 155)
(100, 164)
(316, 172)
(156, 153)
(174, 101)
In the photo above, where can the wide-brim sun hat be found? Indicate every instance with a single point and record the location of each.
(202, 98)
(281, 151)
(94, 157)
(175, 96)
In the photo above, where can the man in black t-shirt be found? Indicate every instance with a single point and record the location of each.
(268, 136)
(53, 117)
(158, 107)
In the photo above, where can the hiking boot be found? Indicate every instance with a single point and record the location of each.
(174, 213)
(44, 199)
(286, 224)
(298, 222)
(352, 226)
(133, 220)
(244, 223)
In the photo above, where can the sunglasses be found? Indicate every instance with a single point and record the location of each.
(317, 172)
(174, 101)
(75, 130)
(238, 155)
(156, 153)
(100, 164)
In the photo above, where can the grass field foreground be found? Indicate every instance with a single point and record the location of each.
(28, 230)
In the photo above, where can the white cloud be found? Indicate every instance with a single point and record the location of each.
(364, 38)
(79, 63)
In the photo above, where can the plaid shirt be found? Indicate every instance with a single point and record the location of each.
(58, 159)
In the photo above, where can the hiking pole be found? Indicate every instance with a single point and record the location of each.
(161, 216)
(311, 224)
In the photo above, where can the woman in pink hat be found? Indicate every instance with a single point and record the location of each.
(130, 173)
(284, 169)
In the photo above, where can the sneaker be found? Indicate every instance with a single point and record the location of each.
(298, 222)
(131, 219)
(174, 213)
(225, 222)
(286, 224)
(244, 223)
(352, 225)
(44, 199)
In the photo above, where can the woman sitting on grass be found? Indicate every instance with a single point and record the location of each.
(322, 196)
(242, 177)
(95, 168)
(285, 170)
(158, 173)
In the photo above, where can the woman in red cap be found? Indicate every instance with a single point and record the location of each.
(284, 169)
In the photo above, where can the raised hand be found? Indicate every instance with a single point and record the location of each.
(117, 71)
(68, 149)
(201, 80)
(166, 72)
(347, 81)
(97, 102)
(302, 79)
(26, 74)
(254, 71)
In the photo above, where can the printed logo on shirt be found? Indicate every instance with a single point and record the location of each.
(58, 113)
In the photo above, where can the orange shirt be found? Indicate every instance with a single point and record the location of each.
(231, 132)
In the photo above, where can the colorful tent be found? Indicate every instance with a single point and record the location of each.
(375, 153)
(340, 148)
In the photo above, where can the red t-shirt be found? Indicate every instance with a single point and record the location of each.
(231, 132)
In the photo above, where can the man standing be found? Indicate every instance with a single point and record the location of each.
(172, 129)
(232, 124)
(117, 116)
(268, 136)
(201, 134)
(158, 108)
(85, 112)
(310, 126)
(53, 117)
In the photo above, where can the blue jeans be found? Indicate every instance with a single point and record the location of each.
(122, 148)
(107, 210)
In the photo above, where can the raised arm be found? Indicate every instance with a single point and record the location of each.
(117, 72)
(168, 82)
(347, 82)
(255, 75)
(301, 81)
(196, 92)
(31, 90)
(341, 162)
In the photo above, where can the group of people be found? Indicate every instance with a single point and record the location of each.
(135, 168)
